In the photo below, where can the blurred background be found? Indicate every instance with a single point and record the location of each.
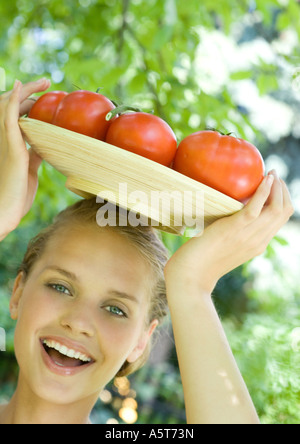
(232, 65)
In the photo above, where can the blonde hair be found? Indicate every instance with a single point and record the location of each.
(144, 238)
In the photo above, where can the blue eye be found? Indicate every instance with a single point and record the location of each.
(59, 288)
(115, 311)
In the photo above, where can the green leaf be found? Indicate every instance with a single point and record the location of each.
(241, 75)
(267, 83)
(281, 240)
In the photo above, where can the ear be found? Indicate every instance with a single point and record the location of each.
(16, 296)
(142, 344)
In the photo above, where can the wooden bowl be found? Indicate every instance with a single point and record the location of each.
(167, 199)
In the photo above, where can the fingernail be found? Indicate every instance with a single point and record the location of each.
(273, 173)
(270, 178)
(41, 80)
(17, 82)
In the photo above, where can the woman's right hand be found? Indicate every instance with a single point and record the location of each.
(18, 166)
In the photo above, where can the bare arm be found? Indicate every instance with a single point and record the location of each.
(214, 390)
(18, 166)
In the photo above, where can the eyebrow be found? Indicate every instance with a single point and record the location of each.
(66, 273)
(123, 295)
(72, 276)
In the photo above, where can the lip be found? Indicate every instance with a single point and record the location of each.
(65, 371)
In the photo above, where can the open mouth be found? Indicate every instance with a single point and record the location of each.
(65, 357)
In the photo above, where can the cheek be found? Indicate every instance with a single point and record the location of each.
(118, 333)
(34, 313)
(118, 337)
(36, 308)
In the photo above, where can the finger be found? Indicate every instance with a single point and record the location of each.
(5, 94)
(34, 162)
(254, 207)
(15, 143)
(279, 208)
(34, 87)
(287, 200)
(26, 106)
(29, 88)
(12, 115)
(275, 200)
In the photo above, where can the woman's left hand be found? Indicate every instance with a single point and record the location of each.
(232, 241)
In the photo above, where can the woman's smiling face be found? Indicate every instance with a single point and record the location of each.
(86, 297)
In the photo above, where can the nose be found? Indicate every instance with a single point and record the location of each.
(78, 320)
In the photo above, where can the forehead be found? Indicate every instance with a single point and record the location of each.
(100, 257)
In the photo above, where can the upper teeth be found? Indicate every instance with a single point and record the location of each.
(66, 351)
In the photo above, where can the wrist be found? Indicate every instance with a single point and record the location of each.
(201, 283)
(200, 275)
(186, 288)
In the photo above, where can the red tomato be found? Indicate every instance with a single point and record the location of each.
(230, 165)
(45, 106)
(144, 134)
(84, 112)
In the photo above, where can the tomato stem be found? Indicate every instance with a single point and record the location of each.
(121, 110)
(221, 132)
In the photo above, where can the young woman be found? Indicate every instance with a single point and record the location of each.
(88, 299)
